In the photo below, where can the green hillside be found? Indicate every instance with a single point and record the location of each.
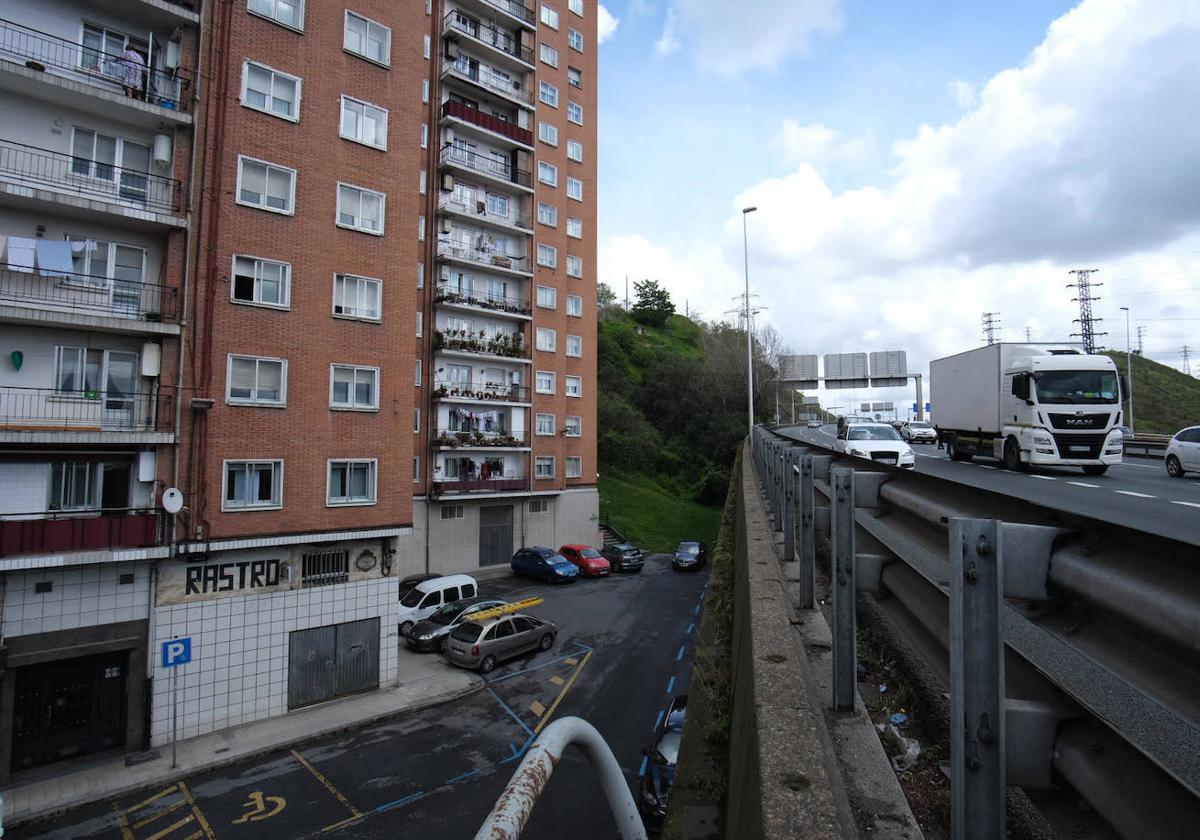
(1164, 399)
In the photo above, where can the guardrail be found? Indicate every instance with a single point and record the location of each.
(1148, 446)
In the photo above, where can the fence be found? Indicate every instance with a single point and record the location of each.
(72, 292)
(52, 409)
(57, 531)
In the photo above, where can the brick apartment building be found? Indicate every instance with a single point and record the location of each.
(327, 268)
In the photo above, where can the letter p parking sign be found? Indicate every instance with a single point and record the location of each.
(176, 652)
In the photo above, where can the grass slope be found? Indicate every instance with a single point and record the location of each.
(1164, 399)
(651, 517)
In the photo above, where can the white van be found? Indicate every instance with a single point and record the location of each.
(422, 600)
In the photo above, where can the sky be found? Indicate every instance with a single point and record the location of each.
(914, 165)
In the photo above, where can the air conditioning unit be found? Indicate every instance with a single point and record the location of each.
(452, 51)
(480, 207)
(162, 149)
(445, 225)
(448, 182)
(151, 359)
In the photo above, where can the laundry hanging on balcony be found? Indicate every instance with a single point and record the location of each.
(54, 257)
(21, 253)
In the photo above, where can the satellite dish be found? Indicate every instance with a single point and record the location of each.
(172, 500)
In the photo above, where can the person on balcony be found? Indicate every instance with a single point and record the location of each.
(131, 77)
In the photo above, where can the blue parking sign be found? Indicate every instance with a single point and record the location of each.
(176, 652)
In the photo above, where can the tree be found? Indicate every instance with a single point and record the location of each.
(653, 306)
(605, 296)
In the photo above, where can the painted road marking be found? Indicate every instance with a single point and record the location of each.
(557, 680)
(642, 769)
(188, 818)
(985, 466)
(689, 630)
(1042, 477)
(571, 660)
(328, 785)
(679, 656)
(537, 708)
(658, 719)
(142, 823)
(200, 818)
(696, 611)
(550, 712)
(462, 777)
(1083, 484)
(670, 685)
(1188, 504)
(1136, 495)
(150, 811)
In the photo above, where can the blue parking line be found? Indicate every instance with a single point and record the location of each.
(642, 769)
(697, 610)
(679, 656)
(670, 685)
(688, 631)
(511, 713)
(463, 776)
(658, 719)
(555, 661)
(412, 797)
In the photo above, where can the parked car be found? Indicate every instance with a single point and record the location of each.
(689, 556)
(1183, 452)
(591, 562)
(544, 564)
(409, 582)
(483, 644)
(918, 431)
(661, 759)
(814, 424)
(420, 602)
(623, 557)
(877, 442)
(429, 634)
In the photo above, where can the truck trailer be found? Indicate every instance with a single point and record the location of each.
(1030, 405)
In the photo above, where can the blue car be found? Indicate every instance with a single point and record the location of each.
(544, 564)
(661, 759)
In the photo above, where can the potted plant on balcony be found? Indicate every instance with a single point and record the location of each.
(480, 437)
(440, 391)
(462, 437)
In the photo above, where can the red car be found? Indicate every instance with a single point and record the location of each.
(588, 559)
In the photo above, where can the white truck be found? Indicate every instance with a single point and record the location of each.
(1029, 405)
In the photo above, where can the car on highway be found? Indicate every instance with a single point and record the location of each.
(1183, 452)
(591, 563)
(484, 644)
(429, 634)
(623, 557)
(420, 602)
(544, 564)
(814, 424)
(877, 442)
(661, 758)
(690, 556)
(918, 431)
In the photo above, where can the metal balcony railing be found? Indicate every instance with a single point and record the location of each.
(50, 409)
(449, 389)
(475, 485)
(481, 211)
(52, 532)
(510, 346)
(458, 438)
(450, 108)
(465, 251)
(42, 51)
(514, 8)
(501, 84)
(501, 39)
(483, 299)
(72, 292)
(487, 165)
(80, 176)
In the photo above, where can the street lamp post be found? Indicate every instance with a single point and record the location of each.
(746, 211)
(1128, 365)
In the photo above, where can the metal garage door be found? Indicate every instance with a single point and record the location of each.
(328, 662)
(495, 535)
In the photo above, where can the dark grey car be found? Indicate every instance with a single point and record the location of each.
(623, 557)
(429, 634)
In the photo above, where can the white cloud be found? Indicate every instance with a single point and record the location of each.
(606, 24)
(821, 145)
(963, 93)
(667, 42)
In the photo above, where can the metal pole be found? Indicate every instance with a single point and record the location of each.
(977, 725)
(920, 398)
(808, 533)
(1129, 366)
(842, 527)
(789, 505)
(174, 714)
(749, 343)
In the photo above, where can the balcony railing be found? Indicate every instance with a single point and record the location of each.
(449, 389)
(487, 165)
(42, 51)
(50, 409)
(483, 299)
(501, 84)
(510, 346)
(53, 532)
(465, 251)
(457, 438)
(514, 8)
(67, 173)
(481, 211)
(450, 108)
(72, 292)
(486, 485)
(501, 39)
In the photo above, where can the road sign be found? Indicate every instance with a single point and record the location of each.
(176, 652)
(889, 369)
(798, 371)
(846, 370)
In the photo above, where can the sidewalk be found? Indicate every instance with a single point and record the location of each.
(427, 681)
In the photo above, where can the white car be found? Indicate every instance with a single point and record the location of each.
(1183, 452)
(918, 431)
(877, 442)
(814, 424)
(424, 599)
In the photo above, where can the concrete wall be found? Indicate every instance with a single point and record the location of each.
(82, 596)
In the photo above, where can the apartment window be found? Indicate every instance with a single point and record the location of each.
(539, 505)
(573, 426)
(543, 466)
(547, 214)
(324, 568)
(575, 77)
(574, 386)
(575, 189)
(547, 339)
(417, 368)
(253, 485)
(544, 424)
(270, 91)
(354, 387)
(288, 12)
(426, 46)
(497, 205)
(72, 486)
(422, 182)
(424, 135)
(261, 282)
(574, 466)
(574, 266)
(549, 17)
(356, 297)
(574, 345)
(547, 256)
(351, 483)
(548, 134)
(420, 324)
(575, 40)
(576, 6)
(266, 186)
(453, 512)
(364, 123)
(253, 380)
(548, 54)
(575, 113)
(544, 381)
(421, 228)
(425, 89)
(575, 151)
(416, 421)
(416, 468)
(420, 275)
(547, 173)
(360, 209)
(575, 228)
(365, 37)
(548, 94)
(78, 369)
(547, 297)
(575, 306)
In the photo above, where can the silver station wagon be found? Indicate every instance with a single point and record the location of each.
(482, 644)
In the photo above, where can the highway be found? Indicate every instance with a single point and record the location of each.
(1138, 493)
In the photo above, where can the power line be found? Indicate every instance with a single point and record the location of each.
(1028, 334)
(1087, 322)
(1185, 353)
(991, 322)
(1141, 332)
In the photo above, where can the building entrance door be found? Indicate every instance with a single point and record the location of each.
(495, 535)
(328, 662)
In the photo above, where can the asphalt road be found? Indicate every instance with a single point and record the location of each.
(1138, 493)
(624, 647)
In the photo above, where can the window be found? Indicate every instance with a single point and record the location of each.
(576, 6)
(575, 113)
(420, 323)
(547, 339)
(425, 87)
(256, 381)
(547, 256)
(545, 424)
(356, 297)
(426, 46)
(573, 427)
(421, 228)
(416, 468)
(548, 54)
(288, 12)
(543, 466)
(575, 228)
(351, 483)
(547, 214)
(548, 94)
(539, 505)
(574, 466)
(575, 40)
(266, 186)
(547, 173)
(261, 282)
(453, 512)
(574, 386)
(371, 40)
(270, 91)
(78, 369)
(364, 123)
(420, 275)
(416, 421)
(544, 382)
(575, 151)
(574, 345)
(354, 387)
(253, 484)
(548, 134)
(323, 568)
(575, 77)
(424, 135)
(360, 209)
(575, 306)
(549, 17)
(575, 189)
(72, 486)
(547, 297)
(574, 266)
(418, 372)
(497, 205)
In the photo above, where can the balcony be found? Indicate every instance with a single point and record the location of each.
(54, 532)
(482, 213)
(495, 84)
(463, 341)
(447, 389)
(465, 252)
(474, 439)
(495, 125)
(513, 8)
(113, 410)
(65, 296)
(480, 485)
(482, 300)
(501, 41)
(497, 170)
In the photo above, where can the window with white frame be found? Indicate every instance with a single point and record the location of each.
(72, 486)
(254, 380)
(547, 173)
(574, 266)
(544, 424)
(420, 275)
(573, 386)
(539, 505)
(365, 37)
(356, 297)
(575, 228)
(548, 94)
(354, 387)
(575, 113)
(573, 468)
(418, 372)
(266, 186)
(271, 91)
(364, 123)
(575, 306)
(360, 209)
(547, 256)
(548, 55)
(547, 297)
(575, 40)
(424, 135)
(95, 155)
(543, 466)
(420, 323)
(547, 214)
(421, 228)
(576, 6)
(81, 369)
(424, 90)
(288, 12)
(453, 512)
(261, 282)
(575, 151)
(547, 339)
(416, 421)
(416, 468)
(351, 483)
(573, 426)
(574, 345)
(544, 381)
(548, 134)
(251, 485)
(575, 77)
(549, 17)
(575, 189)
(426, 46)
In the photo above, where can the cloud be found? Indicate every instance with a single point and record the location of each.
(820, 145)
(668, 41)
(606, 24)
(963, 93)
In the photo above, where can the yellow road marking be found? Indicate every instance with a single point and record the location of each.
(180, 824)
(328, 784)
(156, 815)
(557, 680)
(571, 661)
(337, 825)
(550, 712)
(154, 798)
(122, 823)
(200, 818)
(195, 835)
(537, 708)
